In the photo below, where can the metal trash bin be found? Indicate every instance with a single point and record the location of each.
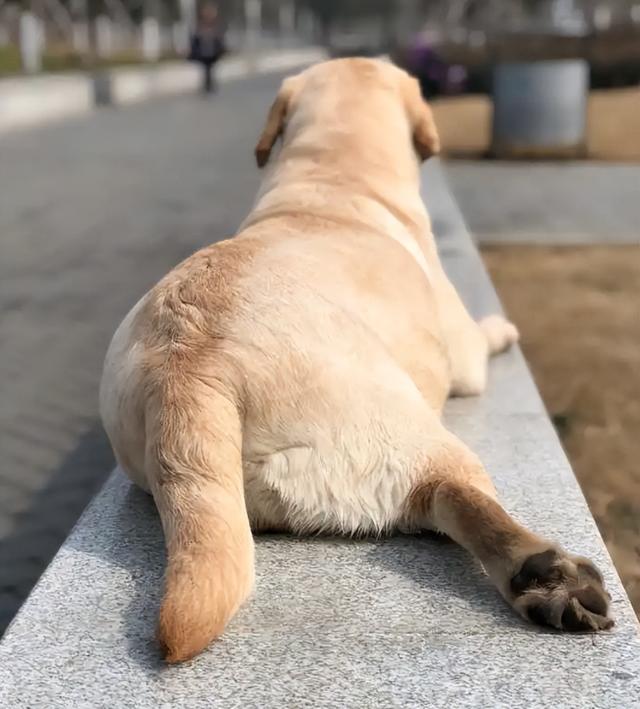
(540, 108)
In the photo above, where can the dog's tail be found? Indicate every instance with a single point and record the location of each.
(194, 466)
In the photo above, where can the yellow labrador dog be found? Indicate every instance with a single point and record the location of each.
(292, 377)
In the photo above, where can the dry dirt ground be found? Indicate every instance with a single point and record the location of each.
(578, 310)
(613, 125)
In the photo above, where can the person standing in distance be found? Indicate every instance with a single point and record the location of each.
(207, 44)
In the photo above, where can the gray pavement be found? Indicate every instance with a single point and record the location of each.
(92, 213)
(549, 203)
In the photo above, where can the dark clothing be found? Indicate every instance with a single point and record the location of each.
(209, 84)
(207, 47)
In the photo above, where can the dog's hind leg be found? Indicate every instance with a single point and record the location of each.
(541, 581)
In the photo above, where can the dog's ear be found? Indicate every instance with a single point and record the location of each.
(425, 133)
(276, 119)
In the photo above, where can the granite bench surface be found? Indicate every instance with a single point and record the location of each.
(402, 622)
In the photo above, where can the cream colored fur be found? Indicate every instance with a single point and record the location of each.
(292, 378)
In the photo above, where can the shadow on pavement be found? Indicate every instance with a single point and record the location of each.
(41, 529)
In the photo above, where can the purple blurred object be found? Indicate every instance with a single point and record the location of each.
(434, 74)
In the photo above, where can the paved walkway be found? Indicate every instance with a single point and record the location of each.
(549, 203)
(92, 213)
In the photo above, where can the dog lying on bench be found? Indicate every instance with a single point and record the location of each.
(292, 378)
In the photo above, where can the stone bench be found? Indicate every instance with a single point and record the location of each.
(406, 621)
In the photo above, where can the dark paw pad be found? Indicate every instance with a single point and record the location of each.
(557, 590)
(537, 570)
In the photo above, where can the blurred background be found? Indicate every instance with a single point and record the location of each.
(126, 137)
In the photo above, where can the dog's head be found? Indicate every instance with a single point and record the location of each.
(358, 78)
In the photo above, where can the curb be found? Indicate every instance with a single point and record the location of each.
(28, 102)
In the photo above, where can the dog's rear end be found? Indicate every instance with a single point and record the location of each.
(170, 408)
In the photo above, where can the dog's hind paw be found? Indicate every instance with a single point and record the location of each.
(555, 589)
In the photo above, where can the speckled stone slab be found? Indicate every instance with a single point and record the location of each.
(401, 622)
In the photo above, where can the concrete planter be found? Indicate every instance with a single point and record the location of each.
(540, 108)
